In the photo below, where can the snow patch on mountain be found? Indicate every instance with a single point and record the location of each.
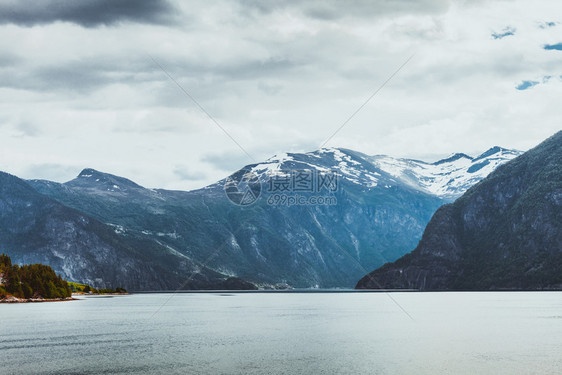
(447, 178)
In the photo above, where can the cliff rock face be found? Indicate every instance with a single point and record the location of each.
(503, 233)
(38, 229)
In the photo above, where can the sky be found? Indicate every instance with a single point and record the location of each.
(179, 94)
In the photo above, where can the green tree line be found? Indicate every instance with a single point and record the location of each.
(83, 288)
(31, 280)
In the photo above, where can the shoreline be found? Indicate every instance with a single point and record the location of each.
(100, 294)
(335, 291)
(12, 299)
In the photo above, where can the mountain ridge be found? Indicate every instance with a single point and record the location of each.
(505, 232)
(378, 216)
(35, 228)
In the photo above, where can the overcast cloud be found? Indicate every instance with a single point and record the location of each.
(87, 13)
(79, 88)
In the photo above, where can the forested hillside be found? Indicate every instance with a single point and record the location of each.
(31, 281)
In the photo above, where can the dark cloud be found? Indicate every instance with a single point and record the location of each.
(71, 77)
(505, 32)
(83, 75)
(7, 59)
(258, 68)
(333, 9)
(228, 69)
(87, 75)
(89, 13)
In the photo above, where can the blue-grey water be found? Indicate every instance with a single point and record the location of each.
(286, 333)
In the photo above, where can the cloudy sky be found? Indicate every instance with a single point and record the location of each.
(150, 89)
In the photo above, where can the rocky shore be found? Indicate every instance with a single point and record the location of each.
(12, 299)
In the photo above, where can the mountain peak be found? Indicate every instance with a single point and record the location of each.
(492, 151)
(452, 158)
(100, 180)
(89, 173)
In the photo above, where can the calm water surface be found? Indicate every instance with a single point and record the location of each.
(288, 333)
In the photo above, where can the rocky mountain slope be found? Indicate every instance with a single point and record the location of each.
(38, 229)
(383, 204)
(503, 233)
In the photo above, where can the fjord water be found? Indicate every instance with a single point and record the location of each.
(286, 333)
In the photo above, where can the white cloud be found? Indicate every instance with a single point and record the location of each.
(278, 79)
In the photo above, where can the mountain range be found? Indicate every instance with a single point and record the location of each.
(109, 231)
(503, 233)
(37, 229)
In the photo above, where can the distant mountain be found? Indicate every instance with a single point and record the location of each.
(383, 204)
(503, 233)
(38, 229)
(448, 178)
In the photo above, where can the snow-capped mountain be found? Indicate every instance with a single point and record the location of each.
(382, 207)
(448, 178)
(504, 234)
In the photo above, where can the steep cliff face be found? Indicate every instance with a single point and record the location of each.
(503, 233)
(37, 229)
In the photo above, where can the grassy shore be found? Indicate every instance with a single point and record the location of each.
(83, 289)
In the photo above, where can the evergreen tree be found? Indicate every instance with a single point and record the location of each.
(33, 279)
